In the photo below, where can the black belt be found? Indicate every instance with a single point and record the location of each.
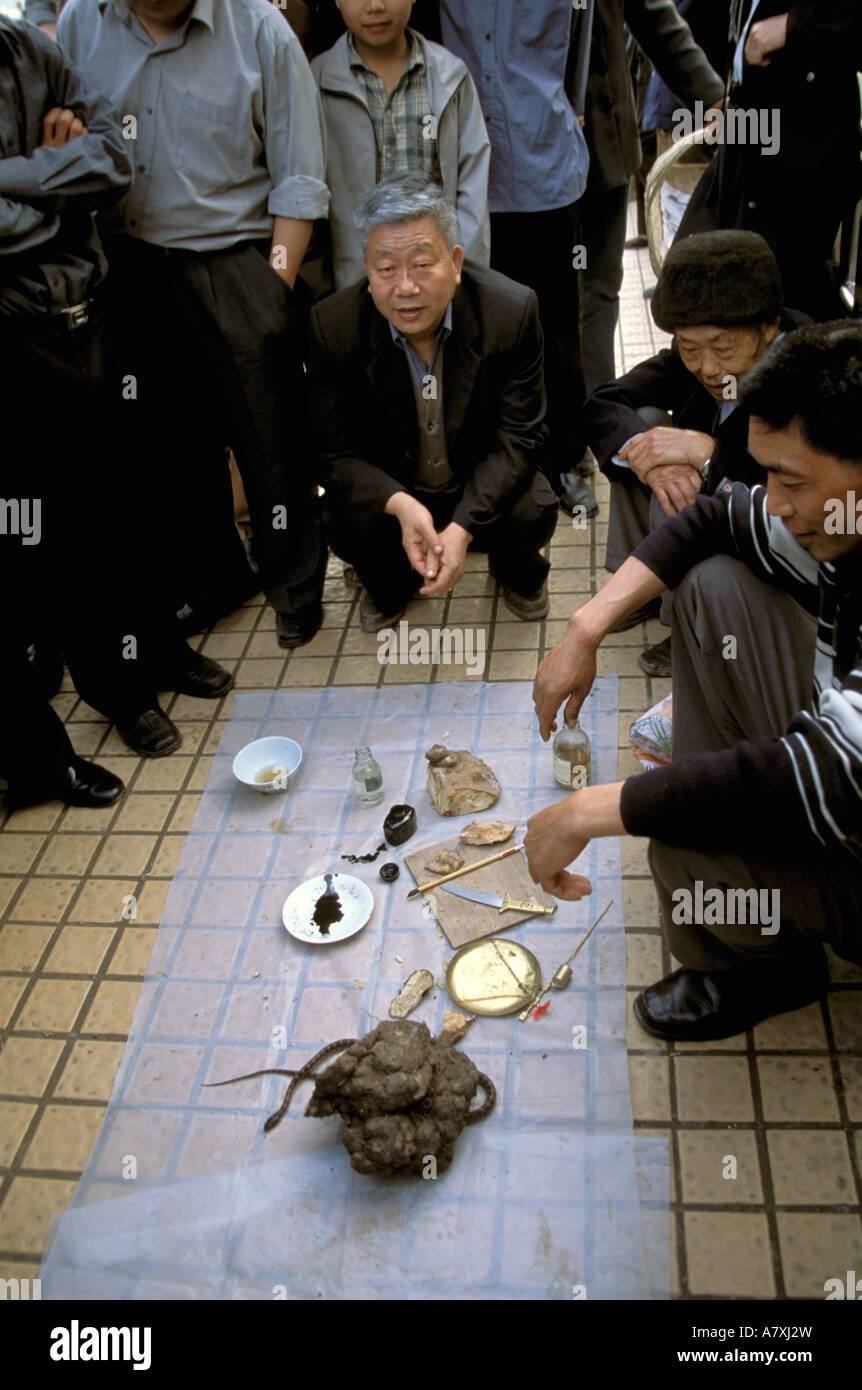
(64, 322)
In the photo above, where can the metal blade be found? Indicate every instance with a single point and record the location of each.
(492, 899)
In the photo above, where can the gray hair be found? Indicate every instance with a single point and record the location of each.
(403, 200)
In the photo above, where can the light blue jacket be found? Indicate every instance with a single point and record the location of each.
(463, 149)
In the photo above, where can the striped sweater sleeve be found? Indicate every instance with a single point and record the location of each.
(771, 791)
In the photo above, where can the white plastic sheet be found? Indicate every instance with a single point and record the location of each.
(184, 1196)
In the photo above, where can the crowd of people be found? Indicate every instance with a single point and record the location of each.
(373, 250)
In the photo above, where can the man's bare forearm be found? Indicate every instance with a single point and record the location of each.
(632, 586)
(290, 238)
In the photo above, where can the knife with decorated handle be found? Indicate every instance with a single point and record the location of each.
(502, 904)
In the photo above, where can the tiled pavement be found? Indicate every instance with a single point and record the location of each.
(784, 1102)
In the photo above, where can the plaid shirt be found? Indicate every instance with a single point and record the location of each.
(403, 125)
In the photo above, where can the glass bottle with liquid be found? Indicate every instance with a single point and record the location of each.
(367, 778)
(572, 758)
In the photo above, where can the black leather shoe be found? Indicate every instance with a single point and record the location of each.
(295, 629)
(152, 734)
(80, 784)
(197, 675)
(656, 661)
(87, 784)
(699, 1005)
(575, 491)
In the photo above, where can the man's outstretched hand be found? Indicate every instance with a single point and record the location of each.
(566, 673)
(556, 836)
(59, 126)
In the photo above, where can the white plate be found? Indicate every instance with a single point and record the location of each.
(357, 902)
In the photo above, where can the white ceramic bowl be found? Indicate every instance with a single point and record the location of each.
(265, 755)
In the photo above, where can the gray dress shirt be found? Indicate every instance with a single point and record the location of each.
(228, 131)
(517, 51)
(50, 255)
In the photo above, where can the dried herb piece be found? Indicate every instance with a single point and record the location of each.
(364, 858)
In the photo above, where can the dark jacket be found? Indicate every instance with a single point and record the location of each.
(811, 83)
(50, 254)
(610, 414)
(611, 124)
(709, 21)
(363, 409)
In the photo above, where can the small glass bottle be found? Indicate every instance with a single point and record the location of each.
(367, 777)
(572, 759)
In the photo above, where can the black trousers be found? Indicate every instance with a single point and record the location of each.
(78, 572)
(372, 543)
(537, 249)
(215, 343)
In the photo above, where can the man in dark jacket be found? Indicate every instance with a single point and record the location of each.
(610, 125)
(428, 401)
(795, 63)
(669, 428)
(65, 534)
(756, 824)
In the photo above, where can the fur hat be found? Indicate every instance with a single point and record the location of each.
(729, 278)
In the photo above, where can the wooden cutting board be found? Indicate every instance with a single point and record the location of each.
(463, 921)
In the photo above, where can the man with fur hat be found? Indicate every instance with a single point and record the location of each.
(669, 428)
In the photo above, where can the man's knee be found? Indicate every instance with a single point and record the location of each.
(537, 508)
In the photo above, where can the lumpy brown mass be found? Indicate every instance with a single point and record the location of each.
(403, 1096)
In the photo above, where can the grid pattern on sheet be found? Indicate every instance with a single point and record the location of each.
(541, 1198)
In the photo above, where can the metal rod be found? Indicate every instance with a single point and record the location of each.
(544, 989)
(465, 869)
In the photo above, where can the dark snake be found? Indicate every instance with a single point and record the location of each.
(306, 1071)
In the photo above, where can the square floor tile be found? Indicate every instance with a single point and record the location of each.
(713, 1088)
(719, 1165)
(27, 1213)
(133, 953)
(797, 1088)
(79, 950)
(125, 855)
(144, 811)
(43, 899)
(103, 900)
(816, 1247)
(68, 854)
(90, 1071)
(112, 1008)
(728, 1254)
(21, 947)
(53, 1006)
(17, 851)
(64, 1137)
(26, 1064)
(810, 1167)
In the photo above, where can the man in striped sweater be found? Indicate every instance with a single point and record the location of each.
(756, 826)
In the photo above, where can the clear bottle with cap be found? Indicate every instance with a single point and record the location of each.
(572, 758)
(367, 777)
